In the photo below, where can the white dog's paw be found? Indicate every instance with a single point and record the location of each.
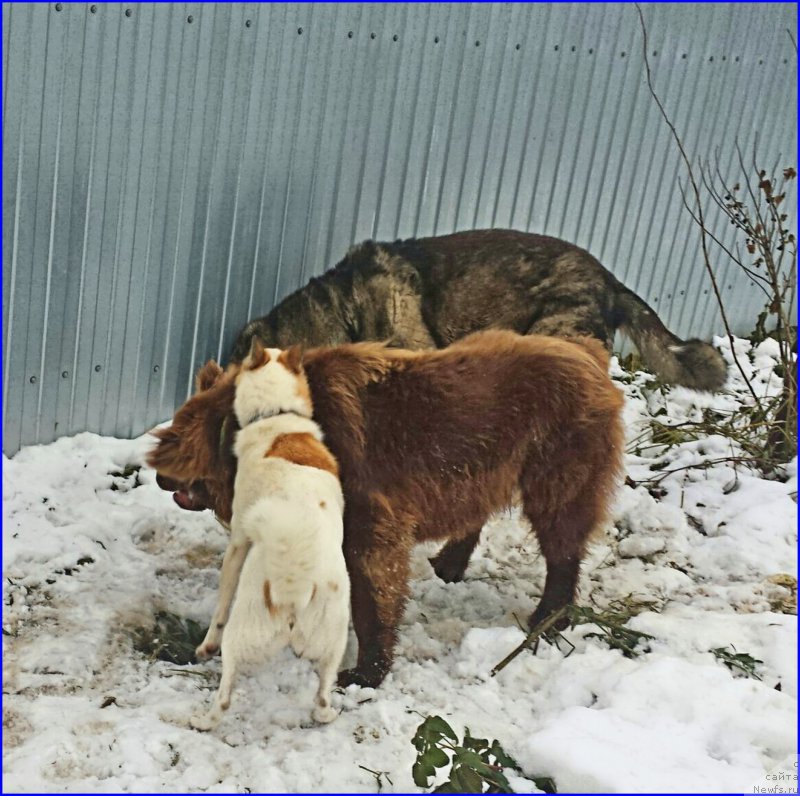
(206, 650)
(175, 716)
(323, 715)
(204, 721)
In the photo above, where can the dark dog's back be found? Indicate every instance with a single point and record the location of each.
(429, 292)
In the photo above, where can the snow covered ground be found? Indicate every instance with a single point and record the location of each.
(87, 558)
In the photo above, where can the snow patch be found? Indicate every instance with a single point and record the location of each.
(92, 550)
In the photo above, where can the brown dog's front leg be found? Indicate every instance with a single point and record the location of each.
(378, 591)
(375, 641)
(232, 564)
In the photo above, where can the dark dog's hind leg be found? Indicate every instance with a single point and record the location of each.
(451, 561)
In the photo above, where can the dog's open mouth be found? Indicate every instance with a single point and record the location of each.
(185, 496)
(186, 500)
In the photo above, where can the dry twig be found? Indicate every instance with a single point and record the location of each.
(700, 214)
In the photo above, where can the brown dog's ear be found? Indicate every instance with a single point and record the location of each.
(207, 376)
(258, 356)
(168, 443)
(292, 358)
(164, 433)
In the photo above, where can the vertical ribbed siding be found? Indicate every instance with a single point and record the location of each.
(165, 180)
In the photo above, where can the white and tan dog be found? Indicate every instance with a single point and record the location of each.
(284, 580)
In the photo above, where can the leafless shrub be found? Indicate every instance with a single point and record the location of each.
(767, 253)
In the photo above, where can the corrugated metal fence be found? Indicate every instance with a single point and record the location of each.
(173, 170)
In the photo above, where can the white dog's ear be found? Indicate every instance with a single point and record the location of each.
(292, 358)
(258, 356)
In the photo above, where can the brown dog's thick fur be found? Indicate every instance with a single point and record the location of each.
(429, 445)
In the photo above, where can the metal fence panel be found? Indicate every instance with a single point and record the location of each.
(173, 170)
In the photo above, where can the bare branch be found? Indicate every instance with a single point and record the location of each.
(533, 636)
(755, 277)
(696, 191)
(704, 465)
(754, 197)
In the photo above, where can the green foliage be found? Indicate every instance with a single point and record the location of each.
(476, 764)
(737, 660)
(127, 471)
(122, 478)
(171, 638)
(611, 623)
(671, 435)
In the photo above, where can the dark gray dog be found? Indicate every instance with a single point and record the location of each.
(428, 292)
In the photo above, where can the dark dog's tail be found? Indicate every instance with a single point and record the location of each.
(691, 363)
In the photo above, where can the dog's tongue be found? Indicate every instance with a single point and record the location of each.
(185, 501)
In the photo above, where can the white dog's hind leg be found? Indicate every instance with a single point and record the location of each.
(232, 564)
(222, 699)
(328, 663)
(327, 669)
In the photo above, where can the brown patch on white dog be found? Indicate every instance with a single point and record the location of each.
(306, 450)
(268, 599)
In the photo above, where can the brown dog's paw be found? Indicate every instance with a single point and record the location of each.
(451, 562)
(539, 616)
(366, 678)
(448, 570)
(206, 651)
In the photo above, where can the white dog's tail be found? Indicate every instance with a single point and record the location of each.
(287, 595)
(286, 536)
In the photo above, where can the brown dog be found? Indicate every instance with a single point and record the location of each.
(429, 445)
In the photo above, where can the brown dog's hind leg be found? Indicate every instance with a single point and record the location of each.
(560, 585)
(450, 563)
(562, 538)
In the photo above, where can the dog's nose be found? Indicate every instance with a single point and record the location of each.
(167, 484)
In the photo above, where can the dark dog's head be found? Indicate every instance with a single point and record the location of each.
(194, 456)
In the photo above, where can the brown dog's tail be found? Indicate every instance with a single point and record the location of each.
(596, 350)
(690, 363)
